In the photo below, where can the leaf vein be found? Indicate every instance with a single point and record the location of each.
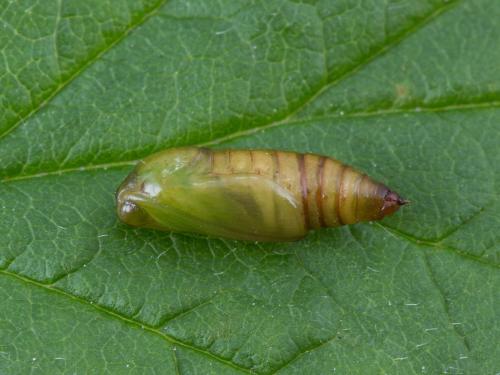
(392, 111)
(115, 315)
(86, 64)
(444, 302)
(436, 246)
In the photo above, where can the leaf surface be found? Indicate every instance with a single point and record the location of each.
(406, 91)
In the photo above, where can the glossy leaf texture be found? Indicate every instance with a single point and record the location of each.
(406, 91)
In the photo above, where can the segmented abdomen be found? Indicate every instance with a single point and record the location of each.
(327, 192)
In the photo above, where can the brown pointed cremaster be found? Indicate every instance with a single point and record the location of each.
(258, 195)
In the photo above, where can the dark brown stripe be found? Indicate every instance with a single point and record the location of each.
(276, 161)
(339, 192)
(319, 192)
(211, 156)
(229, 162)
(251, 160)
(303, 186)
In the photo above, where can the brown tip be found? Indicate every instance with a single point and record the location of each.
(392, 202)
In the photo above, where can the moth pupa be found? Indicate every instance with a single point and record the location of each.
(257, 195)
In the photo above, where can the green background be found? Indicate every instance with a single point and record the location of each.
(407, 91)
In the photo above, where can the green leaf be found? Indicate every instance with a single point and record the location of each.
(407, 91)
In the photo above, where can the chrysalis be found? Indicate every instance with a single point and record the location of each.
(258, 195)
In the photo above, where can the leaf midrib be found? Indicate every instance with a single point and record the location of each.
(173, 341)
(248, 132)
(143, 326)
(288, 120)
(398, 38)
